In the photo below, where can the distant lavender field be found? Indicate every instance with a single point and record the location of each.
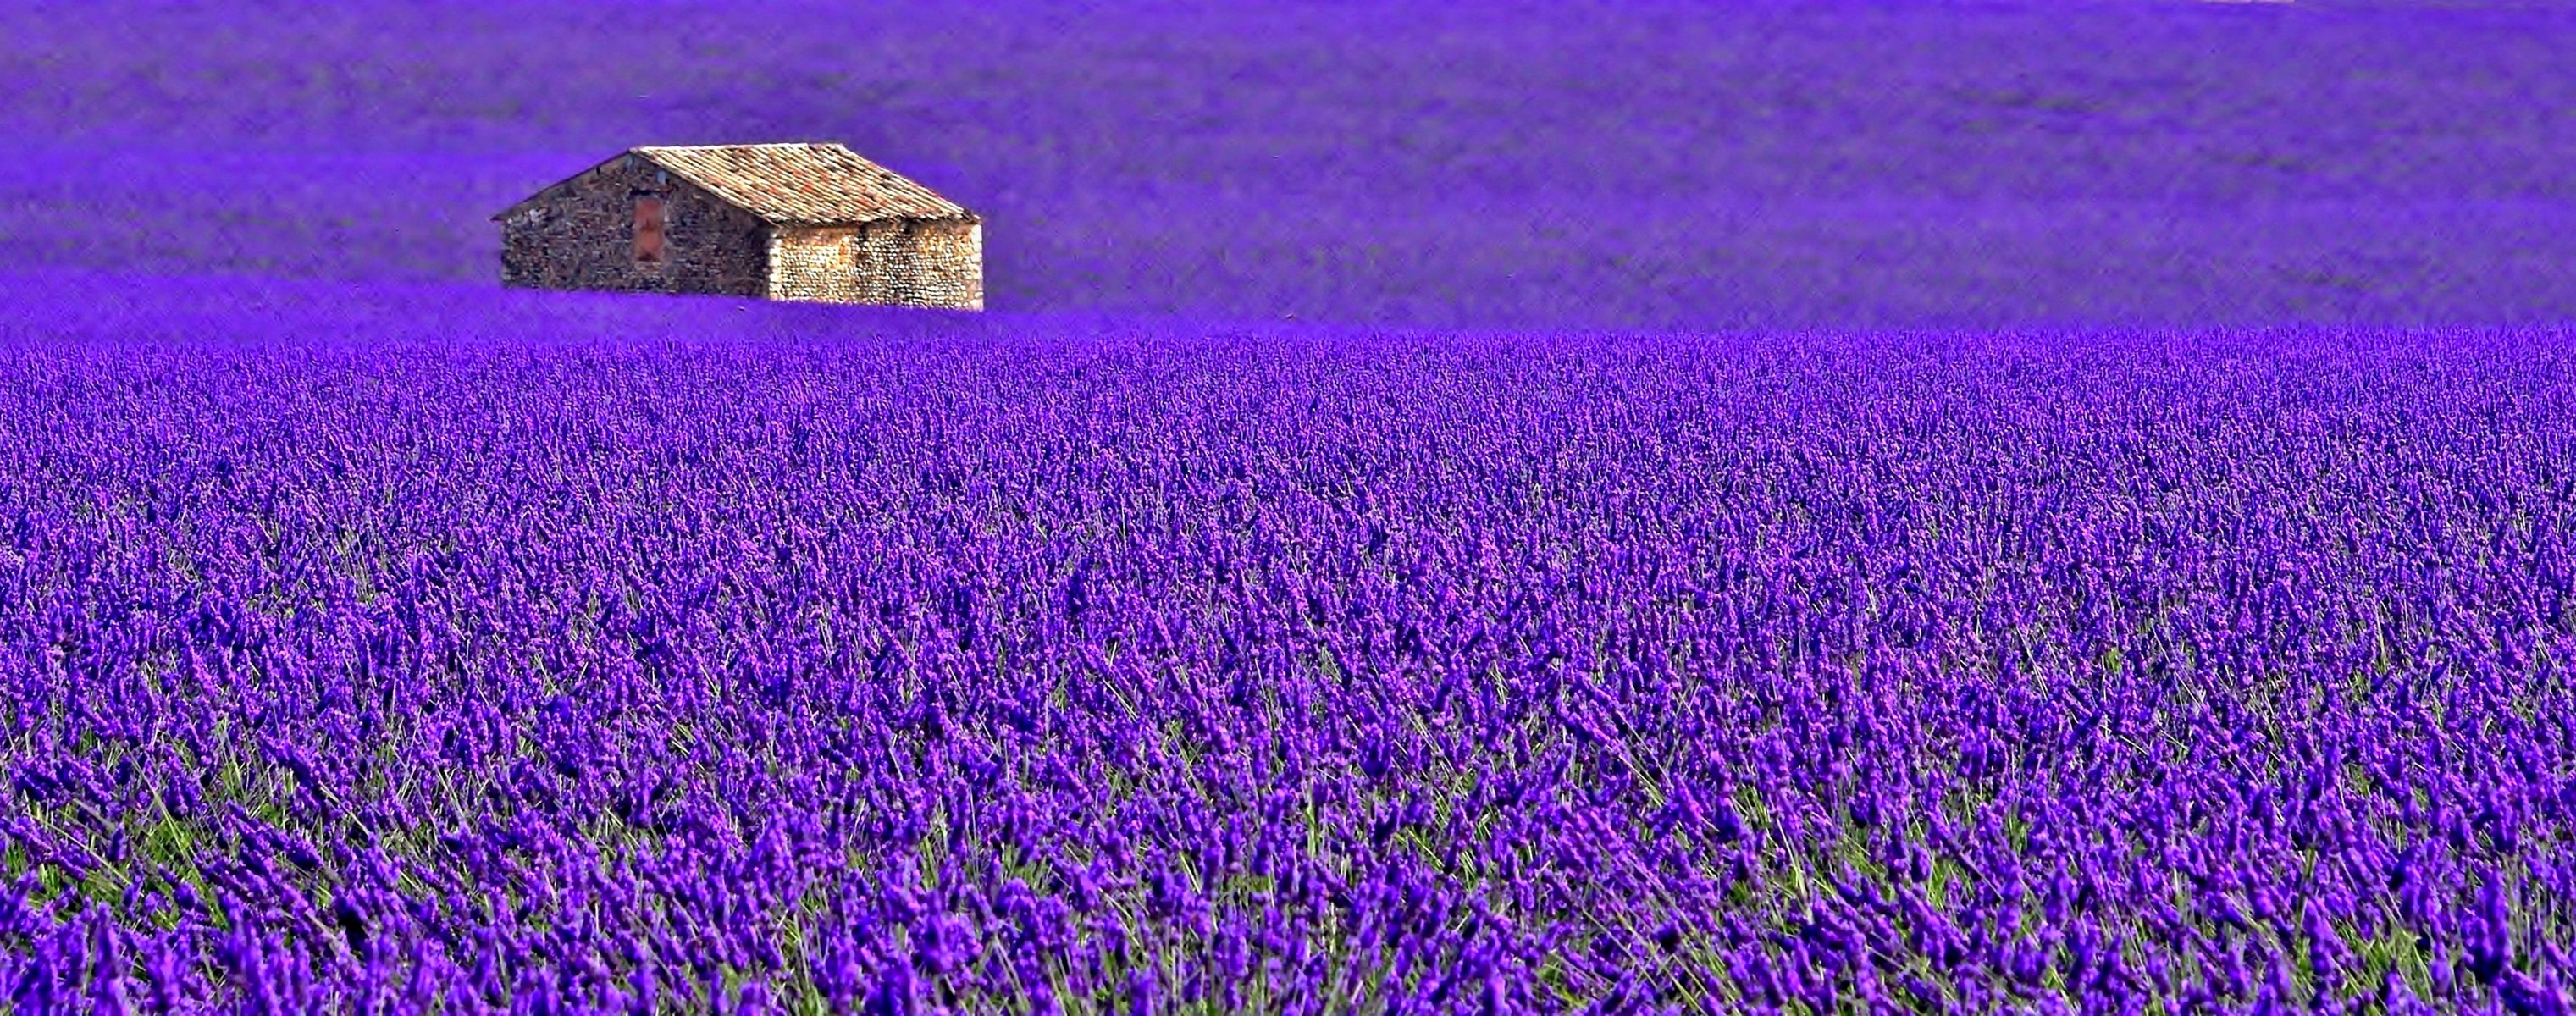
(1846, 508)
(1593, 164)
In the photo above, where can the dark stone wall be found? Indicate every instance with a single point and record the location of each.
(582, 237)
(903, 262)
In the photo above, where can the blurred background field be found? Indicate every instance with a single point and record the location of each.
(1573, 164)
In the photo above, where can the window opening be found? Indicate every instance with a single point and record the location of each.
(648, 230)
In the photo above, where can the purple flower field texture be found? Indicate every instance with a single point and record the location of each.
(1843, 508)
(953, 665)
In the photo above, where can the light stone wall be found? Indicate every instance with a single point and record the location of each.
(900, 262)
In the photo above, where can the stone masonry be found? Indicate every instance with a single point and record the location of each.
(913, 263)
(581, 236)
(783, 222)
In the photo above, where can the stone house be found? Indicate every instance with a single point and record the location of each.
(781, 222)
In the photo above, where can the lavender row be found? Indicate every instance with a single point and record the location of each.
(1158, 671)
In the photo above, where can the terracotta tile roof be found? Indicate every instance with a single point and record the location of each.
(807, 184)
(804, 183)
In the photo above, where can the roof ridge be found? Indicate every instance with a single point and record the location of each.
(789, 182)
(804, 182)
(747, 144)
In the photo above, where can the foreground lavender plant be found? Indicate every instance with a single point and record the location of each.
(1012, 667)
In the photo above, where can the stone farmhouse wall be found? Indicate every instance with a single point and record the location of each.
(905, 262)
(582, 237)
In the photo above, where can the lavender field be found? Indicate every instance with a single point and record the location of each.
(1845, 508)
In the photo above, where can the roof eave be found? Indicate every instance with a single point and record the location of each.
(962, 216)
